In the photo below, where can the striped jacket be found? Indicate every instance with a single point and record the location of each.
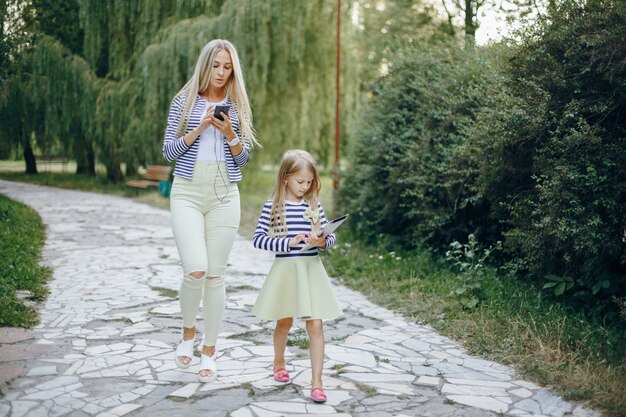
(175, 148)
(295, 224)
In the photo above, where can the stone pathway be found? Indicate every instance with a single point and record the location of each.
(108, 329)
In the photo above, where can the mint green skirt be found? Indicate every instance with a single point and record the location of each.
(297, 287)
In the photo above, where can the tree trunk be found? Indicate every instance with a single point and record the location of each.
(114, 172)
(131, 169)
(29, 158)
(470, 28)
(86, 164)
(91, 161)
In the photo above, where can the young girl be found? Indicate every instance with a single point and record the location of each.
(297, 284)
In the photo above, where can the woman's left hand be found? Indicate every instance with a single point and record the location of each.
(313, 239)
(224, 126)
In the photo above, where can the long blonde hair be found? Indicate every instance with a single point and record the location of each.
(235, 88)
(293, 162)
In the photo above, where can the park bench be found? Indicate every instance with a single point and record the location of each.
(154, 176)
(52, 160)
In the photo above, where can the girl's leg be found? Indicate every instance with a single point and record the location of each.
(316, 346)
(280, 341)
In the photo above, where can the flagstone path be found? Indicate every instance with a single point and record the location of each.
(108, 330)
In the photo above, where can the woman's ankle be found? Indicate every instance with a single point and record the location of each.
(189, 333)
(208, 350)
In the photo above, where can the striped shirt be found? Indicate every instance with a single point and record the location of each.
(175, 148)
(295, 224)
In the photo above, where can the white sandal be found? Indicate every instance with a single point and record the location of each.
(184, 348)
(207, 363)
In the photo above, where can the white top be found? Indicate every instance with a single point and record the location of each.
(211, 146)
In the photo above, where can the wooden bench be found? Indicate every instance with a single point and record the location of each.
(50, 160)
(153, 176)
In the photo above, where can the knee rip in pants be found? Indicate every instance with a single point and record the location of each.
(214, 281)
(197, 279)
(194, 280)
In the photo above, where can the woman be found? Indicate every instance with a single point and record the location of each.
(204, 200)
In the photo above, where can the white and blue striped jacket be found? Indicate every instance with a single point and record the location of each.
(295, 224)
(175, 148)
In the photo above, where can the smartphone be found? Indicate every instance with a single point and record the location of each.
(219, 110)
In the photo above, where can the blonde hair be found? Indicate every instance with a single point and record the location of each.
(235, 88)
(293, 162)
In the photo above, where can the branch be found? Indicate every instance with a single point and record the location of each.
(449, 16)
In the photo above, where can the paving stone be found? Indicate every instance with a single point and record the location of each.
(186, 391)
(104, 346)
(10, 335)
(486, 403)
(42, 371)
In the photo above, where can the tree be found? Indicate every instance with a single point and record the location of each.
(471, 11)
(551, 146)
(136, 55)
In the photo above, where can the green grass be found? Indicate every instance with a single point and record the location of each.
(21, 239)
(513, 324)
(298, 338)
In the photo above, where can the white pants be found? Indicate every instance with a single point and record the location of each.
(205, 217)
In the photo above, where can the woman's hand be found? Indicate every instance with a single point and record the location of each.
(224, 126)
(297, 239)
(207, 120)
(315, 240)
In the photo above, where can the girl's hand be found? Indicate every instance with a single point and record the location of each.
(224, 126)
(297, 239)
(315, 240)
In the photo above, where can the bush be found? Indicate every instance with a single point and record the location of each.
(523, 143)
(551, 146)
(409, 173)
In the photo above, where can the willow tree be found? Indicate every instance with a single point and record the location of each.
(110, 102)
(288, 52)
(19, 121)
(65, 89)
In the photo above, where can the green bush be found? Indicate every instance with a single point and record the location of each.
(523, 143)
(409, 174)
(21, 239)
(551, 144)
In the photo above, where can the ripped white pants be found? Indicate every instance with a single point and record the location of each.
(205, 217)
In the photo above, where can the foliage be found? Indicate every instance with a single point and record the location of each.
(521, 143)
(384, 30)
(58, 19)
(411, 150)
(470, 259)
(136, 55)
(551, 145)
(21, 240)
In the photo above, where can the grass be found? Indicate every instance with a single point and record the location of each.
(21, 239)
(298, 338)
(368, 390)
(513, 324)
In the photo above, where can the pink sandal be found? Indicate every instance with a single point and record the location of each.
(281, 375)
(318, 396)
